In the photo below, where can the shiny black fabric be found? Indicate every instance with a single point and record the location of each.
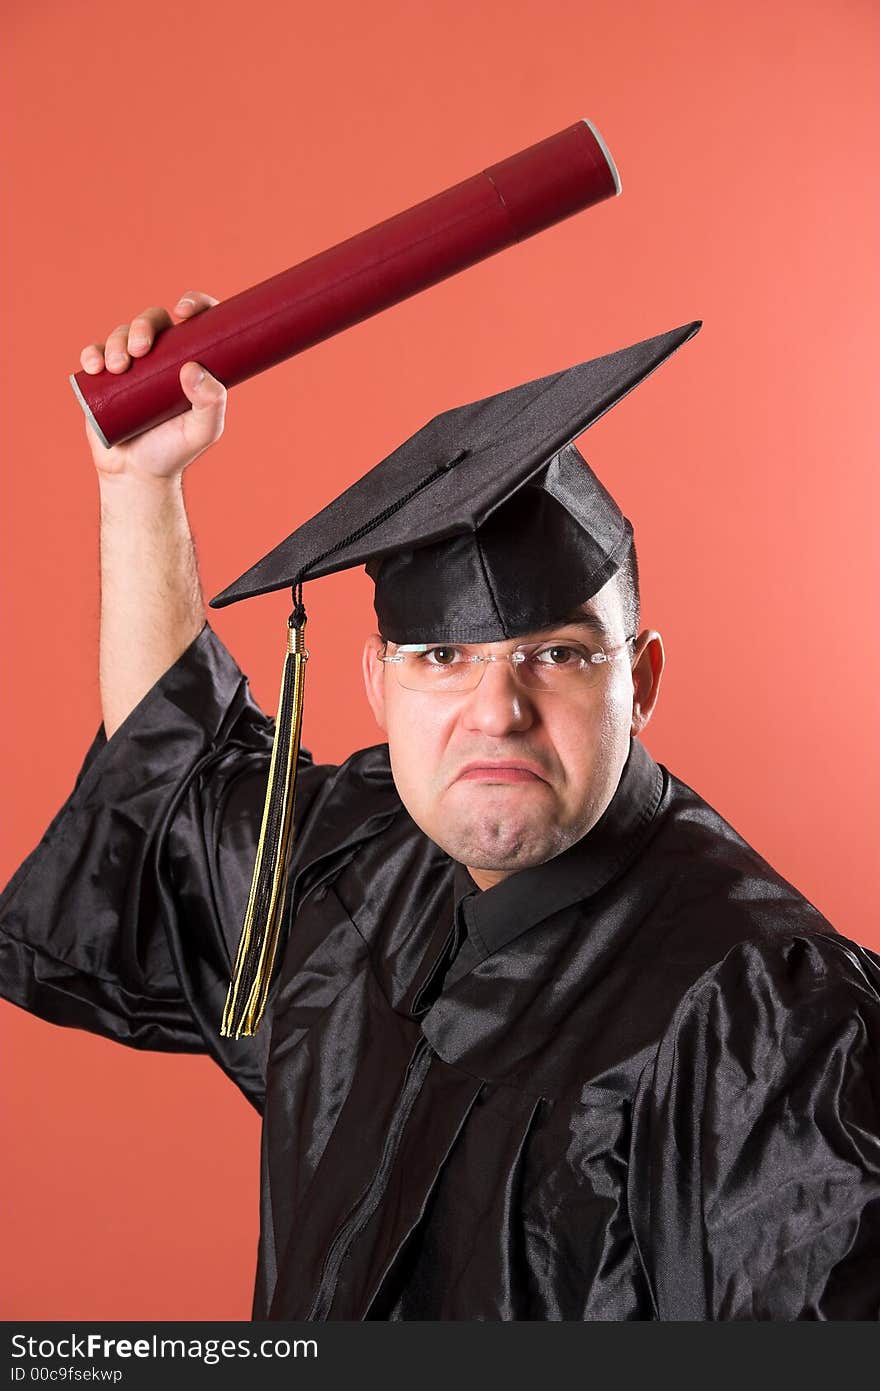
(637, 1082)
(571, 537)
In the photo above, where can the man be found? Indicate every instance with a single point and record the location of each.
(547, 1039)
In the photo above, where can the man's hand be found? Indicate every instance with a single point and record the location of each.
(167, 449)
(151, 599)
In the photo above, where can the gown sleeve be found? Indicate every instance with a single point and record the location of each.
(755, 1166)
(125, 918)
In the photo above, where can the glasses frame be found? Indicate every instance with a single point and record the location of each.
(516, 657)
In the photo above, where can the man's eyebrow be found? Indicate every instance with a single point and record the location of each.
(578, 619)
(592, 620)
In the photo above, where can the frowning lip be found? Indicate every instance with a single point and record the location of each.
(504, 770)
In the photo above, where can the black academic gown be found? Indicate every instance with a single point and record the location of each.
(646, 1087)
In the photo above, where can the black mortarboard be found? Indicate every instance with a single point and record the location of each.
(452, 478)
(487, 524)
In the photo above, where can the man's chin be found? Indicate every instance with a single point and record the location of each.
(498, 842)
(498, 862)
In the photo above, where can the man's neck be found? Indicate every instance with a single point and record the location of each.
(488, 878)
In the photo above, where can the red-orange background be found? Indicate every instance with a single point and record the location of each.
(152, 149)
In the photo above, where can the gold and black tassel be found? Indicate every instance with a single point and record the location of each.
(260, 935)
(257, 947)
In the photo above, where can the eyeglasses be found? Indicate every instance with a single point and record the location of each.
(546, 666)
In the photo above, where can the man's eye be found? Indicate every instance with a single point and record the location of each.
(560, 654)
(441, 656)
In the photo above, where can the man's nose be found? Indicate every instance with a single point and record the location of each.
(498, 705)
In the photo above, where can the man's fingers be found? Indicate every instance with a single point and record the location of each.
(116, 357)
(137, 338)
(143, 329)
(92, 358)
(193, 302)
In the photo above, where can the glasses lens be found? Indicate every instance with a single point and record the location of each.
(440, 668)
(550, 666)
(555, 666)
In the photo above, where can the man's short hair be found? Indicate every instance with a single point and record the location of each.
(627, 578)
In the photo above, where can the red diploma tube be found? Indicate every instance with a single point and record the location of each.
(379, 267)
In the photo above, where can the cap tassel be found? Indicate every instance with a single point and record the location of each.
(251, 978)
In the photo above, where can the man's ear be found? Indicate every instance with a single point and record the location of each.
(648, 662)
(374, 678)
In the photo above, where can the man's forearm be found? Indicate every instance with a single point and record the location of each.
(151, 598)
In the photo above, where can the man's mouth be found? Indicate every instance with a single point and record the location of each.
(502, 771)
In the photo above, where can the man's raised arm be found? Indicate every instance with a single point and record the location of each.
(97, 930)
(152, 606)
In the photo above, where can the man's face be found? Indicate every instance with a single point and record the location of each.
(504, 776)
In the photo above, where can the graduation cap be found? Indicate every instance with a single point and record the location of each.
(487, 524)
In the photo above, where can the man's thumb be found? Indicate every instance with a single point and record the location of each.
(208, 396)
